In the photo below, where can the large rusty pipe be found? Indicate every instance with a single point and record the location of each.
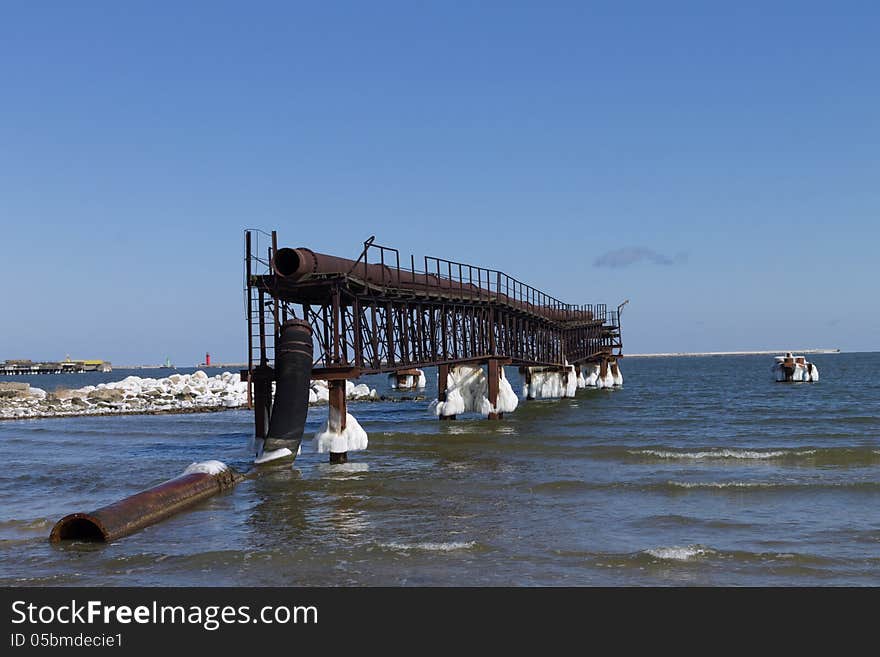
(197, 483)
(293, 369)
(295, 264)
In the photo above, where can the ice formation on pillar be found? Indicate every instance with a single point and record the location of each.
(591, 379)
(550, 385)
(332, 439)
(581, 380)
(592, 376)
(466, 385)
(570, 382)
(609, 377)
(541, 385)
(507, 400)
(467, 391)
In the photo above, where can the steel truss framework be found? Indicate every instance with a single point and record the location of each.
(364, 328)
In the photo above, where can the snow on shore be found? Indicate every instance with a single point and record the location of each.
(175, 393)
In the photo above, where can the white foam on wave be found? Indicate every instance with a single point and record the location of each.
(431, 547)
(721, 454)
(676, 553)
(721, 484)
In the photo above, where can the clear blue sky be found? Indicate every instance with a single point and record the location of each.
(718, 164)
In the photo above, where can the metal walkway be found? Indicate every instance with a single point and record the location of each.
(379, 313)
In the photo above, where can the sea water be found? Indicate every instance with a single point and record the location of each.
(698, 471)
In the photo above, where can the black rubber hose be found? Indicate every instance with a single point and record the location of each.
(293, 370)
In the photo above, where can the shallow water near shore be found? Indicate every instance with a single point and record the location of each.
(699, 471)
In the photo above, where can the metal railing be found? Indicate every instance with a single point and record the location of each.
(467, 281)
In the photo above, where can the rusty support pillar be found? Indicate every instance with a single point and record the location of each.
(246, 376)
(494, 379)
(526, 375)
(338, 411)
(262, 383)
(442, 380)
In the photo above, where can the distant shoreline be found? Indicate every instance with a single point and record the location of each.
(202, 366)
(777, 352)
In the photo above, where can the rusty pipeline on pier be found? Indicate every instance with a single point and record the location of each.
(145, 508)
(380, 312)
(383, 313)
(294, 265)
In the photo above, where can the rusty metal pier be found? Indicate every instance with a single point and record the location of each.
(383, 313)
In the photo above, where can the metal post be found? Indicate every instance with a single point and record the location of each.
(494, 381)
(262, 382)
(358, 340)
(526, 374)
(276, 329)
(250, 304)
(338, 412)
(389, 332)
(335, 314)
(262, 311)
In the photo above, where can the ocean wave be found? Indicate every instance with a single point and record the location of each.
(431, 547)
(806, 455)
(722, 454)
(676, 520)
(703, 555)
(696, 554)
(677, 553)
(723, 484)
(37, 524)
(572, 486)
(781, 485)
(565, 486)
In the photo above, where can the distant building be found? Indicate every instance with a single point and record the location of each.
(67, 366)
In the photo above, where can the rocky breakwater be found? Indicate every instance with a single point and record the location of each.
(178, 393)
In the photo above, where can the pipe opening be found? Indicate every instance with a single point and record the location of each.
(286, 262)
(77, 528)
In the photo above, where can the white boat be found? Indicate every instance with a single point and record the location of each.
(794, 369)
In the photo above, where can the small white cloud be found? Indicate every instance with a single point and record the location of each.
(632, 255)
